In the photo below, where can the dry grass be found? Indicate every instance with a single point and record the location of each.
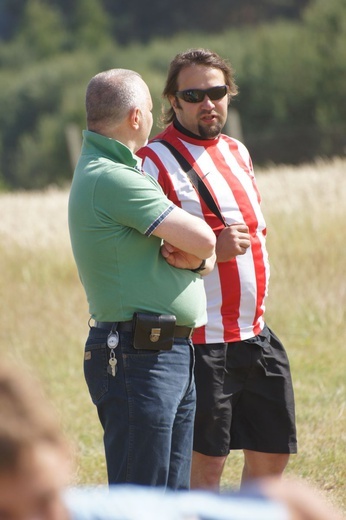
(305, 210)
(44, 313)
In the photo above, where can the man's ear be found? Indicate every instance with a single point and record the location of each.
(174, 102)
(135, 116)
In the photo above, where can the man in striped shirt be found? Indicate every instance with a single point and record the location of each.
(244, 390)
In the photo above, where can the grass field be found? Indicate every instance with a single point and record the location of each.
(44, 314)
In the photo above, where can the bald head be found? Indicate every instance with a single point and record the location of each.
(111, 95)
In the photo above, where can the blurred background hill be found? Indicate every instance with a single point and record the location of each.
(289, 58)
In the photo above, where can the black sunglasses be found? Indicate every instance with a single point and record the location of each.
(196, 95)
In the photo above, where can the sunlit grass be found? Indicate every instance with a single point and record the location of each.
(305, 210)
(44, 314)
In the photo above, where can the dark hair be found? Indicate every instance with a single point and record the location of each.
(190, 57)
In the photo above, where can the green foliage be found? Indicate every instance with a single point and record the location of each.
(92, 27)
(291, 77)
(138, 21)
(36, 105)
(141, 21)
(43, 155)
(326, 26)
(269, 66)
(42, 30)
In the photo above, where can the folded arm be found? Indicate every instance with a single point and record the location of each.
(187, 240)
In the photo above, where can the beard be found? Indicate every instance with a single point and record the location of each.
(210, 132)
(206, 132)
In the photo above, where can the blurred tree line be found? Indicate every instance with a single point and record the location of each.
(138, 20)
(289, 58)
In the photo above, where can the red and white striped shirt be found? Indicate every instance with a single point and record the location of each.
(236, 289)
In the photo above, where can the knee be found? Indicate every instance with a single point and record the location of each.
(258, 464)
(206, 471)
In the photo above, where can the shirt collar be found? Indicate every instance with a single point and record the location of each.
(108, 147)
(178, 126)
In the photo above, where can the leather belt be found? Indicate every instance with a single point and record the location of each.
(127, 326)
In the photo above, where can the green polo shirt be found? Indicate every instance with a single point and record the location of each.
(113, 210)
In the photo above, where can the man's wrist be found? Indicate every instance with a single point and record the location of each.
(200, 267)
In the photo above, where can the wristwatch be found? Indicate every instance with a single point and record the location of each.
(200, 267)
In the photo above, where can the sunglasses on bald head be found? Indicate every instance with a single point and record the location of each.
(196, 95)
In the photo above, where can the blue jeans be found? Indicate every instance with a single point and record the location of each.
(147, 410)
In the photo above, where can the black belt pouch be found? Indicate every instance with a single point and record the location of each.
(153, 331)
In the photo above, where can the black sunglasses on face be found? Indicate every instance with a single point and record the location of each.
(196, 95)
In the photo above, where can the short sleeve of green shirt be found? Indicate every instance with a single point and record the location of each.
(130, 198)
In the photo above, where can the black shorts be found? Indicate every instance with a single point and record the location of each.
(244, 397)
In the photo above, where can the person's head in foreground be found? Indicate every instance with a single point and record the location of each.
(34, 457)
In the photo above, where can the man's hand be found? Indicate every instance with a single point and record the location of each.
(232, 241)
(178, 258)
(182, 260)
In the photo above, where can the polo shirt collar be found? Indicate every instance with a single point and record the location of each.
(108, 147)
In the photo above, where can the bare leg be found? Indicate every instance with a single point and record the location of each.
(258, 464)
(206, 471)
